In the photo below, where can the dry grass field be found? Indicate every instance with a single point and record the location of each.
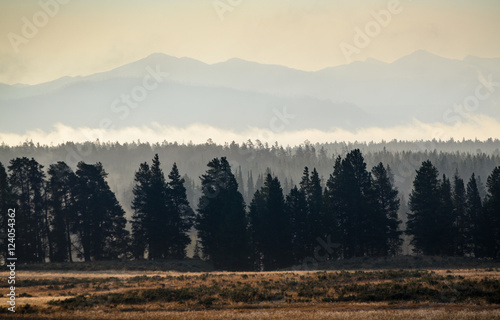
(387, 294)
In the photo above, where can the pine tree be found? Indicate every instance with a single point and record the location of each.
(270, 226)
(424, 203)
(445, 220)
(61, 188)
(222, 221)
(473, 209)
(5, 192)
(100, 221)
(385, 209)
(142, 206)
(314, 198)
(162, 215)
(335, 205)
(491, 212)
(296, 210)
(159, 230)
(461, 221)
(27, 183)
(349, 193)
(5, 205)
(182, 218)
(310, 187)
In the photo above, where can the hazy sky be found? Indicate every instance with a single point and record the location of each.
(84, 37)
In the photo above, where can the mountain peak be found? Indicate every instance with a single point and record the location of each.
(423, 58)
(421, 55)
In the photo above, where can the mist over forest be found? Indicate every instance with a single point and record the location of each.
(121, 161)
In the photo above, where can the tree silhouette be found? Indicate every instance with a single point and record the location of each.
(424, 202)
(349, 190)
(27, 183)
(296, 210)
(162, 215)
(445, 219)
(100, 219)
(473, 209)
(462, 223)
(490, 226)
(222, 221)
(182, 216)
(385, 211)
(270, 226)
(61, 188)
(6, 203)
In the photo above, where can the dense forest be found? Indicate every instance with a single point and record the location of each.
(252, 206)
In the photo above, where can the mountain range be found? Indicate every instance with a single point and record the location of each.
(238, 94)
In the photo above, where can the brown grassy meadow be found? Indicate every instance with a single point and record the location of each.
(387, 294)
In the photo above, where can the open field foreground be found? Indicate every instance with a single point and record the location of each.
(389, 294)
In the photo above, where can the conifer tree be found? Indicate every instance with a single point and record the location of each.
(473, 209)
(142, 206)
(270, 226)
(349, 191)
(182, 218)
(462, 223)
(385, 210)
(424, 203)
(490, 226)
(445, 220)
(296, 209)
(100, 221)
(61, 188)
(221, 221)
(162, 214)
(5, 204)
(27, 182)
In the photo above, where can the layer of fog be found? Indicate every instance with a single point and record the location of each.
(476, 127)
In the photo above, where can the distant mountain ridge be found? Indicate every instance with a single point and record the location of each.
(238, 94)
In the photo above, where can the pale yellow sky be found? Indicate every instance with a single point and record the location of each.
(85, 37)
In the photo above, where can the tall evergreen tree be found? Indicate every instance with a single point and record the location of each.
(182, 218)
(61, 189)
(387, 235)
(27, 183)
(350, 188)
(335, 205)
(313, 228)
(162, 215)
(100, 221)
(491, 216)
(141, 218)
(473, 209)
(270, 226)
(221, 221)
(314, 198)
(296, 210)
(445, 219)
(424, 202)
(462, 223)
(5, 192)
(5, 205)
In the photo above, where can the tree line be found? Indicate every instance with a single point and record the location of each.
(65, 214)
(252, 158)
